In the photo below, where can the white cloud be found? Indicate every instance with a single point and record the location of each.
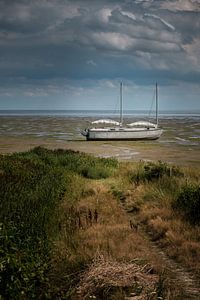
(170, 26)
(35, 92)
(91, 62)
(110, 84)
(104, 14)
(129, 14)
(121, 42)
(112, 40)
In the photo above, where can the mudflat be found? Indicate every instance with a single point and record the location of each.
(179, 144)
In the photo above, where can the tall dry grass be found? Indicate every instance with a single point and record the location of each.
(125, 205)
(159, 192)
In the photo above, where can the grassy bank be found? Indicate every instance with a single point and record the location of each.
(32, 188)
(73, 226)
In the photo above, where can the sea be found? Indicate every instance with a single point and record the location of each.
(94, 113)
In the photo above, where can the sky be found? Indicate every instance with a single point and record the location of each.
(73, 54)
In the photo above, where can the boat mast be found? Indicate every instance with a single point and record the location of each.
(156, 104)
(121, 105)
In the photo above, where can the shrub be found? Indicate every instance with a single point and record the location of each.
(188, 203)
(152, 171)
(83, 164)
(93, 172)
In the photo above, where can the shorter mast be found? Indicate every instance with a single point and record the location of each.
(156, 104)
(121, 105)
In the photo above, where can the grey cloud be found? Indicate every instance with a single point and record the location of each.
(111, 29)
(187, 24)
(60, 38)
(121, 42)
(35, 17)
(74, 22)
(183, 5)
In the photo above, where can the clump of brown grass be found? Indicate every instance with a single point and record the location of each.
(104, 275)
(158, 227)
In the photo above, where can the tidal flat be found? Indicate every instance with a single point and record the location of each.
(179, 144)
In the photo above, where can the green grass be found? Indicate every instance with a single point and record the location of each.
(32, 186)
(153, 171)
(43, 194)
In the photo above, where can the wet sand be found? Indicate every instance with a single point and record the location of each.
(179, 144)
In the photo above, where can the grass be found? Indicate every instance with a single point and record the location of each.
(32, 188)
(165, 200)
(69, 219)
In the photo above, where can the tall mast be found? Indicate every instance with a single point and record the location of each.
(121, 105)
(156, 103)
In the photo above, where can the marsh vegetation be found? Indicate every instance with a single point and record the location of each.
(74, 226)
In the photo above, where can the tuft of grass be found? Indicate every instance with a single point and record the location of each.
(108, 279)
(152, 171)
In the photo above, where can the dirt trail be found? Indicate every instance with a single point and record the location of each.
(176, 273)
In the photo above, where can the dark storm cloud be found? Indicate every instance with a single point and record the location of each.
(91, 39)
(83, 22)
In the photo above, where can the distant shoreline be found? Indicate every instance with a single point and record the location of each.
(93, 113)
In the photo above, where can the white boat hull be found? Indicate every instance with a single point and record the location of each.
(123, 134)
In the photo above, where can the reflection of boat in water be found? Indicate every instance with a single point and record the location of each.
(140, 130)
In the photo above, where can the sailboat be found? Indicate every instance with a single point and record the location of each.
(140, 130)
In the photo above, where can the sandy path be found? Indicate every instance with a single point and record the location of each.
(175, 273)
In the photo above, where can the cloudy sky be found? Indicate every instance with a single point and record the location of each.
(72, 54)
